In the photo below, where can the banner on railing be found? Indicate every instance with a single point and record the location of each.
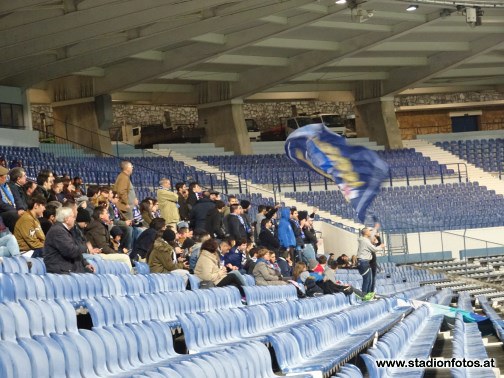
(356, 170)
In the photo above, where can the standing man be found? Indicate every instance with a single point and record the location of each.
(364, 256)
(168, 203)
(235, 224)
(183, 195)
(125, 190)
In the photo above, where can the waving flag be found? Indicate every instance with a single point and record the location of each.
(357, 171)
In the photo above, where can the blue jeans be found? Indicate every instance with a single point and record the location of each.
(367, 275)
(8, 245)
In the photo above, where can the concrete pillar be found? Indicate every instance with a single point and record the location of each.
(78, 124)
(27, 116)
(377, 119)
(225, 126)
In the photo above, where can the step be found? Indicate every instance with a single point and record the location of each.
(256, 188)
(445, 157)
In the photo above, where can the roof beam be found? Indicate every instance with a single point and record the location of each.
(10, 6)
(73, 27)
(129, 73)
(473, 72)
(341, 76)
(421, 46)
(303, 44)
(259, 79)
(143, 43)
(380, 61)
(404, 78)
(249, 60)
(351, 26)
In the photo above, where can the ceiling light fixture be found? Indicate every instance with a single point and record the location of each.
(412, 7)
(340, 1)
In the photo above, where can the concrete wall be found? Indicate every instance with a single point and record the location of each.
(225, 126)
(454, 240)
(19, 138)
(337, 240)
(78, 124)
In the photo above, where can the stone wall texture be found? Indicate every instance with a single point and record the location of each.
(270, 114)
(448, 98)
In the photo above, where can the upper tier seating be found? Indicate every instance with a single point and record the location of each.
(487, 154)
(278, 168)
(103, 171)
(420, 208)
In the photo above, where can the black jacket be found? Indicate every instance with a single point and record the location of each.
(268, 240)
(183, 208)
(214, 224)
(199, 212)
(62, 253)
(235, 229)
(99, 236)
(19, 196)
(144, 243)
(310, 237)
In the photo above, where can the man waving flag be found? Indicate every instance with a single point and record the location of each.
(357, 171)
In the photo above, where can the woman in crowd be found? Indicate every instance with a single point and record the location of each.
(264, 273)
(208, 267)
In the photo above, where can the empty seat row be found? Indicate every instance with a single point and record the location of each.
(108, 267)
(496, 320)
(464, 302)
(443, 297)
(323, 344)
(41, 339)
(349, 371)
(419, 293)
(16, 264)
(165, 307)
(468, 344)
(76, 287)
(266, 294)
(409, 340)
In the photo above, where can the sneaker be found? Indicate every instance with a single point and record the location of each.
(368, 296)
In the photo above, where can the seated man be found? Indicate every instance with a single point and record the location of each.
(146, 240)
(97, 233)
(62, 254)
(163, 259)
(8, 243)
(8, 209)
(28, 230)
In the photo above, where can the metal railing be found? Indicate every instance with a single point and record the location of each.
(222, 181)
(422, 247)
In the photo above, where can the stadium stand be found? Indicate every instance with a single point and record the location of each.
(421, 208)
(137, 319)
(134, 316)
(279, 169)
(487, 154)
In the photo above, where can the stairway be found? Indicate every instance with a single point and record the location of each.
(444, 157)
(256, 188)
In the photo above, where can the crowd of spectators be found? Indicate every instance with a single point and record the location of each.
(183, 231)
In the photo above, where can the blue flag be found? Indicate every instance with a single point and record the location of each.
(357, 171)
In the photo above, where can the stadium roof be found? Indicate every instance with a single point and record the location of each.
(165, 50)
